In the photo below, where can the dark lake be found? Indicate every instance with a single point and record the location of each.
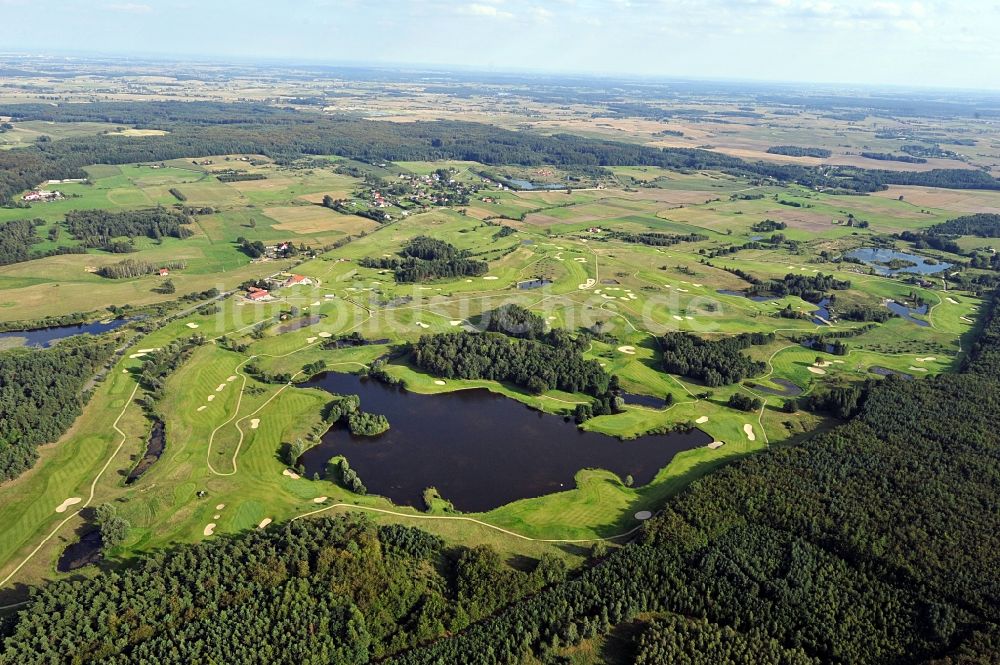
(534, 283)
(154, 448)
(479, 449)
(821, 316)
(45, 337)
(872, 257)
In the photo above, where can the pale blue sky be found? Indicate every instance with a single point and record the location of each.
(927, 43)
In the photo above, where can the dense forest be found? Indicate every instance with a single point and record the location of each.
(983, 225)
(40, 396)
(799, 151)
(654, 238)
(425, 258)
(198, 129)
(811, 288)
(890, 157)
(98, 228)
(334, 590)
(713, 362)
(537, 366)
(16, 240)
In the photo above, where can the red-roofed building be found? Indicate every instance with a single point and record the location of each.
(297, 279)
(257, 294)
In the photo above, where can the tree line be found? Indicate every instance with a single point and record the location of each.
(713, 362)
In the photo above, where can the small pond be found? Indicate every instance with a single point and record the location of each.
(534, 283)
(46, 337)
(885, 371)
(908, 312)
(519, 183)
(479, 449)
(84, 552)
(154, 448)
(643, 400)
(873, 257)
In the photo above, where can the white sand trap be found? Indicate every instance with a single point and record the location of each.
(329, 295)
(580, 259)
(192, 325)
(643, 515)
(816, 370)
(221, 387)
(689, 318)
(702, 419)
(607, 297)
(220, 506)
(264, 522)
(421, 324)
(589, 284)
(966, 319)
(439, 382)
(623, 298)
(952, 301)
(310, 340)
(137, 355)
(918, 369)
(316, 304)
(291, 474)
(748, 430)
(209, 529)
(124, 371)
(255, 423)
(839, 362)
(468, 281)
(716, 444)
(678, 318)
(72, 501)
(791, 268)
(682, 290)
(324, 335)
(630, 350)
(698, 285)
(320, 499)
(202, 407)
(216, 516)
(926, 360)
(146, 350)
(824, 363)
(490, 278)
(231, 378)
(211, 397)
(455, 323)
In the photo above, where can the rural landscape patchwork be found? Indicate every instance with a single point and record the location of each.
(344, 365)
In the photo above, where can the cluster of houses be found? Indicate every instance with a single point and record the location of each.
(42, 196)
(257, 294)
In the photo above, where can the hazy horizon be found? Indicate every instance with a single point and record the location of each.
(942, 44)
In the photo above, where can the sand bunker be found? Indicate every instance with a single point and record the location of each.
(220, 506)
(678, 318)
(320, 499)
(221, 387)
(580, 259)
(824, 363)
(748, 430)
(146, 350)
(310, 340)
(589, 284)
(926, 360)
(264, 522)
(216, 516)
(717, 444)
(232, 378)
(643, 515)
(211, 397)
(192, 325)
(209, 529)
(324, 335)
(952, 301)
(316, 304)
(439, 382)
(630, 350)
(202, 407)
(72, 501)
(816, 370)
(966, 319)
(702, 419)
(490, 278)
(255, 423)
(291, 474)
(918, 369)
(698, 285)
(689, 318)
(421, 324)
(137, 355)
(455, 323)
